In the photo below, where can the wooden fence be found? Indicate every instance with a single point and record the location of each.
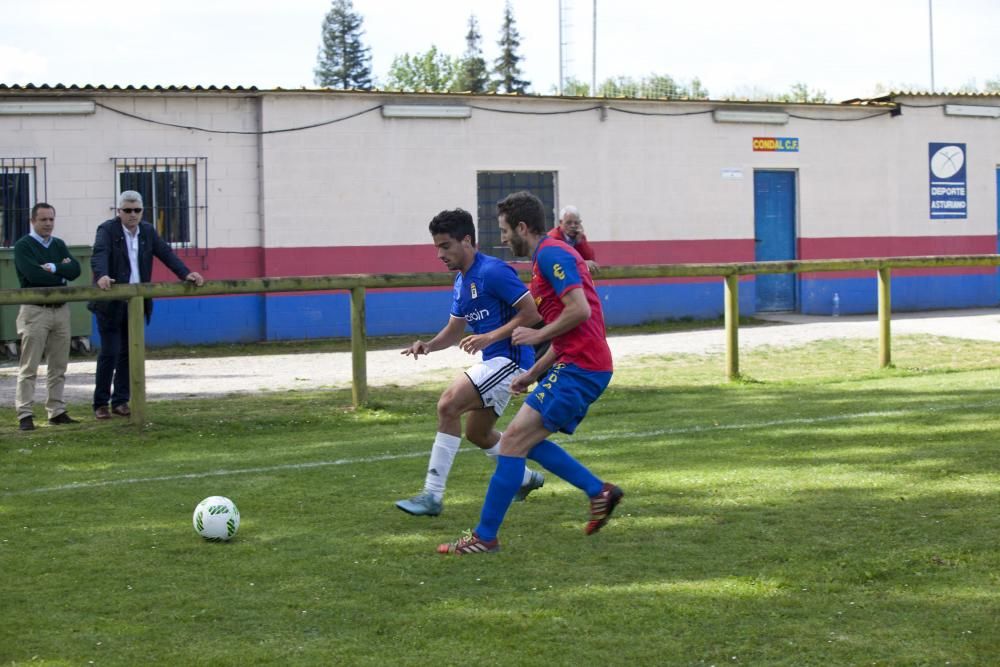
(357, 284)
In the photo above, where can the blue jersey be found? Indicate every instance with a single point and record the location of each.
(485, 296)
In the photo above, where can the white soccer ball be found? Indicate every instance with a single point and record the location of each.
(216, 519)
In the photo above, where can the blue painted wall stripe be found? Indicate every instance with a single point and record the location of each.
(192, 321)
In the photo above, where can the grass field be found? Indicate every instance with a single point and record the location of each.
(818, 513)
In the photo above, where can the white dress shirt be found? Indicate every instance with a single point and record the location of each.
(132, 243)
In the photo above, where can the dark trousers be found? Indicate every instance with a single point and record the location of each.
(112, 362)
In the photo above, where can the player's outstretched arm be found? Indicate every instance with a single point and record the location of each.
(416, 348)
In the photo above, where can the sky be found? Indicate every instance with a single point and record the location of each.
(847, 48)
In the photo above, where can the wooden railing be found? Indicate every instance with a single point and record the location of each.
(357, 284)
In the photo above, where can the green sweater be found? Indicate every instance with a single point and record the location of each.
(29, 255)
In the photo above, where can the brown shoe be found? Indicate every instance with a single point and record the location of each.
(102, 412)
(121, 410)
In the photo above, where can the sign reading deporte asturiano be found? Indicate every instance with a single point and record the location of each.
(948, 183)
(776, 144)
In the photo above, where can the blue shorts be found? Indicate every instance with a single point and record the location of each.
(564, 394)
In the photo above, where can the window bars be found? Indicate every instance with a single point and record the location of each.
(175, 197)
(22, 184)
(492, 186)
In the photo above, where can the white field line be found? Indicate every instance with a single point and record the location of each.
(216, 473)
(596, 437)
(738, 427)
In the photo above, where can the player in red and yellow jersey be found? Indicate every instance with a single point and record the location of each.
(570, 376)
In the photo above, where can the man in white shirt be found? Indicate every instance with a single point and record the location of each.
(123, 253)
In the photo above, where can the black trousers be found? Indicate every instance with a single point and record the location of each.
(112, 362)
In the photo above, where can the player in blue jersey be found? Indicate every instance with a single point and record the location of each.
(489, 298)
(571, 375)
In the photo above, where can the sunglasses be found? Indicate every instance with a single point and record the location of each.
(130, 210)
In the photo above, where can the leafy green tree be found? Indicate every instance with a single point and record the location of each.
(799, 92)
(654, 86)
(573, 87)
(659, 86)
(992, 85)
(432, 71)
(506, 69)
(472, 75)
(619, 86)
(343, 60)
(696, 91)
(750, 93)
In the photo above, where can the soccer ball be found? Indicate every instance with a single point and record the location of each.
(216, 519)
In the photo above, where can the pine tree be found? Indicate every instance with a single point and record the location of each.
(343, 60)
(505, 68)
(472, 76)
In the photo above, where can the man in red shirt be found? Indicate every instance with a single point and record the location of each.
(570, 232)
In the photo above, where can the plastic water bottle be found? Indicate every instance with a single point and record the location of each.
(836, 305)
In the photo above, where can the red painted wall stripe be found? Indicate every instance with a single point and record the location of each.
(217, 264)
(247, 262)
(897, 246)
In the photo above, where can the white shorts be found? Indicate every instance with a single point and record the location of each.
(492, 380)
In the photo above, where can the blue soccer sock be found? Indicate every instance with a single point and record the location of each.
(504, 484)
(557, 460)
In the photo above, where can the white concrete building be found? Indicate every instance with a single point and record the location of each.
(251, 183)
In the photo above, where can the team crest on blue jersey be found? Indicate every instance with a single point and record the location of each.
(472, 290)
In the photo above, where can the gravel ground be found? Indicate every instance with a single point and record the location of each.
(190, 378)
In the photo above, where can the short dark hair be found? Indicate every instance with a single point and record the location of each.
(523, 207)
(41, 204)
(457, 224)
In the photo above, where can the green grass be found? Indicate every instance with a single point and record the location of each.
(819, 513)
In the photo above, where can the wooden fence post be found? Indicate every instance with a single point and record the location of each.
(732, 319)
(884, 317)
(359, 347)
(137, 359)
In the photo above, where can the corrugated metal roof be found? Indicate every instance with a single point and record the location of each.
(121, 89)
(883, 100)
(924, 93)
(889, 98)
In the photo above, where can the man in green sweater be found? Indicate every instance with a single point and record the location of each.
(42, 260)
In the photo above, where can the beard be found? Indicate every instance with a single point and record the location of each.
(519, 246)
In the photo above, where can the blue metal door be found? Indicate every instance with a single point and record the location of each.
(774, 236)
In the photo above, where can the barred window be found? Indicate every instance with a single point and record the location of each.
(174, 194)
(492, 186)
(22, 185)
